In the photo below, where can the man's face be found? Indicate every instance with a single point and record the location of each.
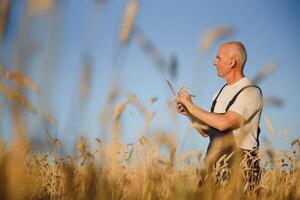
(223, 62)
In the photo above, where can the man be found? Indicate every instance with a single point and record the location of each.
(235, 112)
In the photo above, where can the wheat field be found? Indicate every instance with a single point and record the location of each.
(137, 170)
(116, 170)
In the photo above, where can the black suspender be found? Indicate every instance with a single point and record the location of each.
(232, 100)
(237, 94)
(212, 108)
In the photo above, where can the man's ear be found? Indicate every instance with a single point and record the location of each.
(233, 63)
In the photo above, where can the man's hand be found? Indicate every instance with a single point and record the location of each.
(185, 98)
(181, 109)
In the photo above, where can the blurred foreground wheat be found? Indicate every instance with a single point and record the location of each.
(138, 171)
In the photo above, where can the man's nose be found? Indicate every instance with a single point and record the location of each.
(216, 62)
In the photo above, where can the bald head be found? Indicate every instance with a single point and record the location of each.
(237, 51)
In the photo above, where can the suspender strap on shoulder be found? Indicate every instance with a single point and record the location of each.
(237, 94)
(212, 108)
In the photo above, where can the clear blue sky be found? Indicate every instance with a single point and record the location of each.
(78, 29)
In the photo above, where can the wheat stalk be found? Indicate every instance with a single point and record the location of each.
(128, 22)
(213, 34)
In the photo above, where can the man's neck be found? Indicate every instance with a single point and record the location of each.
(233, 78)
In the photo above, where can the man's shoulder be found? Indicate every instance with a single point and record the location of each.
(249, 95)
(249, 87)
(252, 90)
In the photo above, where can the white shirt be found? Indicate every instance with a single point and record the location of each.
(248, 105)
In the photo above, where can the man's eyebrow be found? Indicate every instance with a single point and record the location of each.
(218, 57)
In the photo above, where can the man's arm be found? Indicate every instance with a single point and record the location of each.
(220, 122)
